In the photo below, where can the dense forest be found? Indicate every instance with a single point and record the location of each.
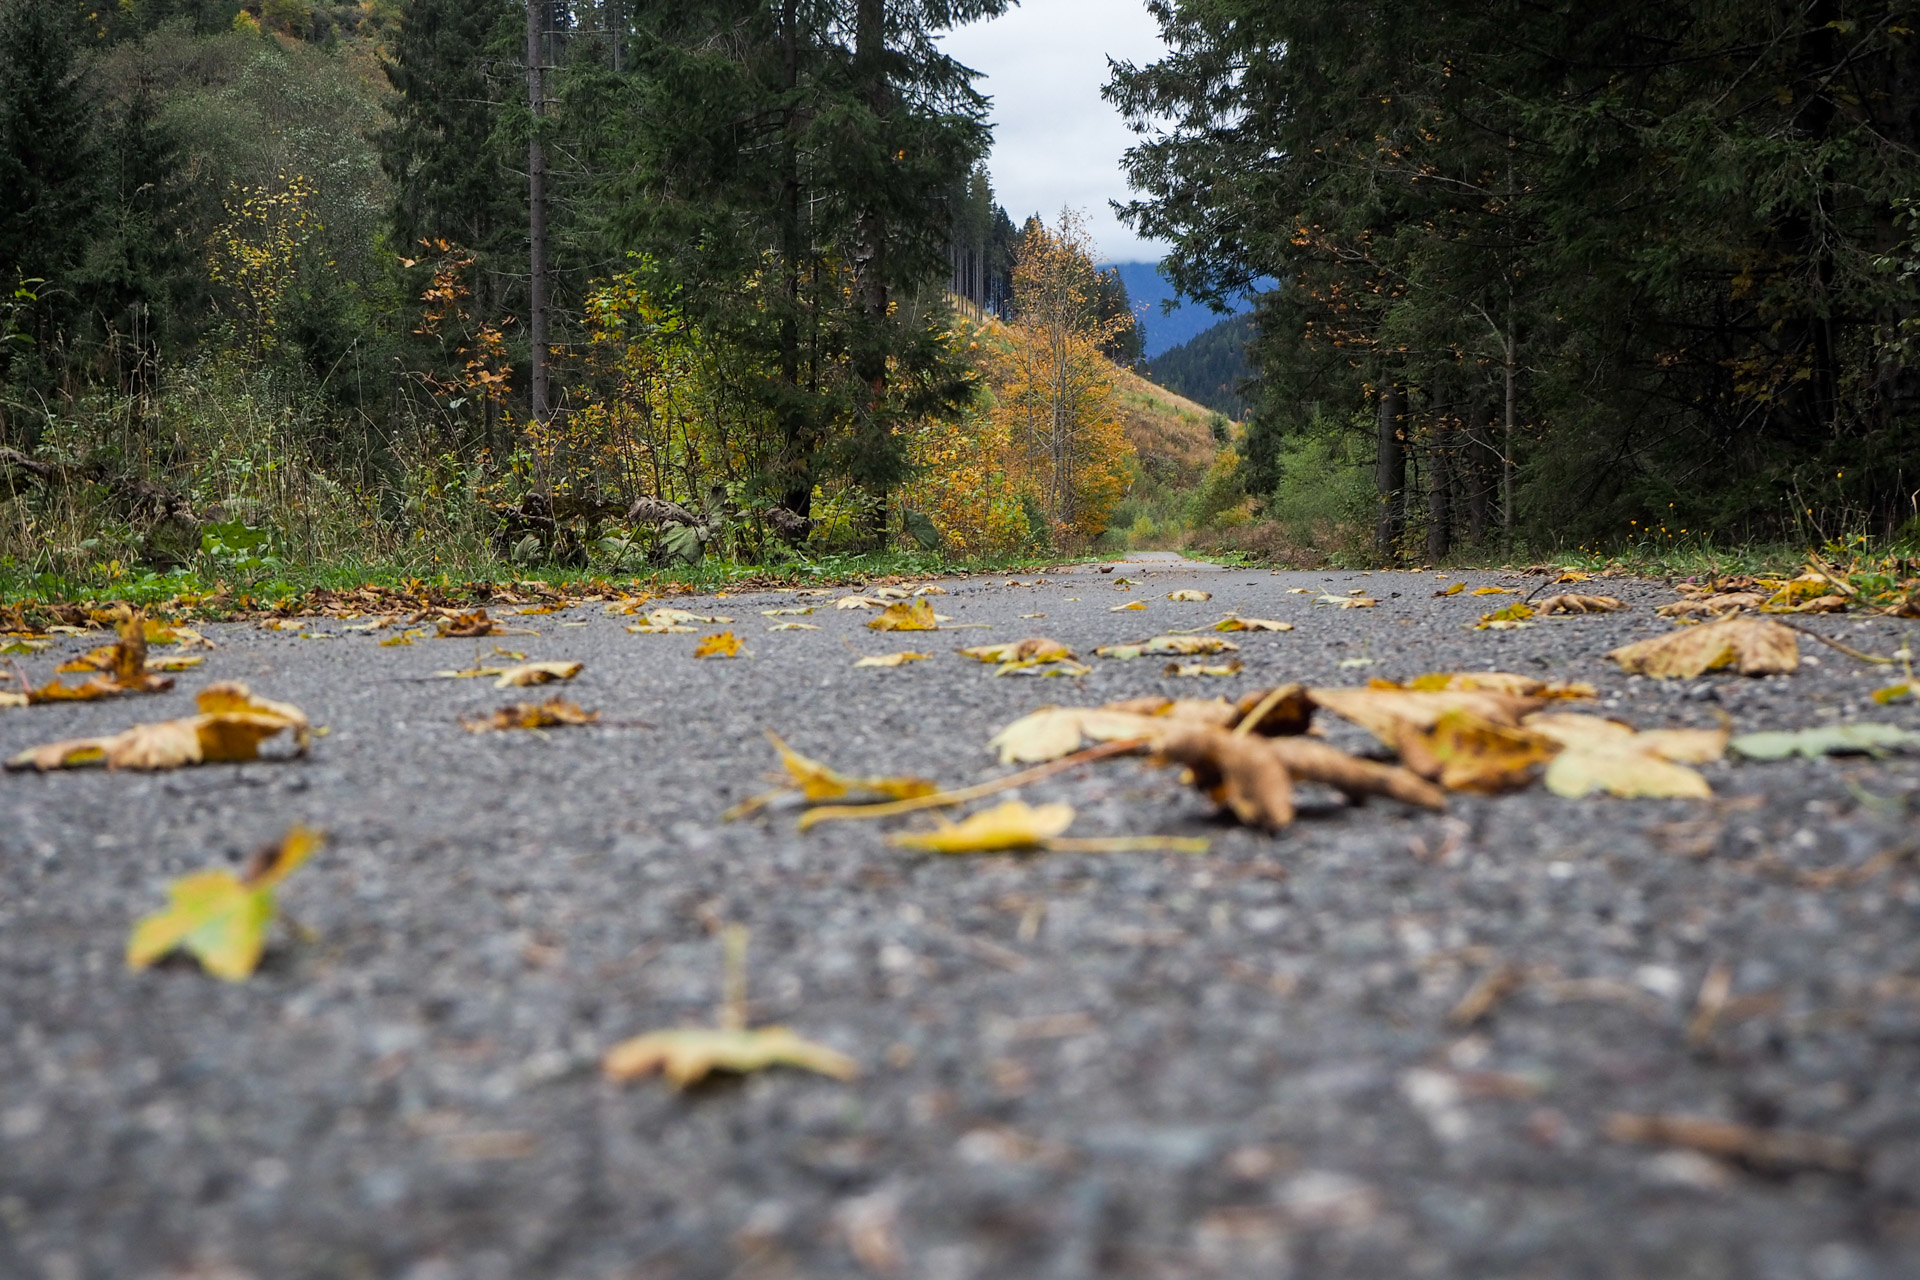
(1575, 273)
(1209, 368)
(442, 282)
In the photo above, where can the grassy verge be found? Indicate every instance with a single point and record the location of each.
(210, 588)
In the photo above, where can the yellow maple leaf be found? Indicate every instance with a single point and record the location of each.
(219, 918)
(917, 616)
(722, 644)
(1605, 755)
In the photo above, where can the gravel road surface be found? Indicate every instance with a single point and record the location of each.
(1242, 1064)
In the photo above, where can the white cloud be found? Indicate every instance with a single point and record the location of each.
(1057, 143)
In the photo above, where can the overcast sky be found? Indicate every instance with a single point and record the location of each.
(1055, 141)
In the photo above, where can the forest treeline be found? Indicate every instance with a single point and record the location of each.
(1578, 273)
(571, 280)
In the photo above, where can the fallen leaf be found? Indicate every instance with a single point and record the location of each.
(1132, 604)
(219, 918)
(1032, 649)
(890, 593)
(1571, 575)
(405, 637)
(690, 1054)
(1491, 682)
(1453, 590)
(818, 784)
(1513, 617)
(554, 712)
(893, 659)
(1007, 826)
(859, 602)
(230, 728)
(1463, 752)
(465, 626)
(1605, 755)
(1388, 713)
(786, 613)
(1189, 595)
(1895, 692)
(931, 589)
(1300, 591)
(531, 673)
(918, 616)
(1176, 646)
(1568, 602)
(1033, 615)
(1712, 605)
(1833, 739)
(792, 626)
(1348, 602)
(1753, 646)
(19, 646)
(662, 629)
(1232, 668)
(1234, 622)
(1052, 732)
(722, 644)
(1495, 591)
(1237, 773)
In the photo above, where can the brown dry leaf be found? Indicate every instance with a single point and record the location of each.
(1568, 602)
(1229, 668)
(1753, 646)
(893, 659)
(1237, 773)
(1032, 649)
(1490, 682)
(690, 1054)
(1387, 713)
(1281, 711)
(1007, 826)
(230, 728)
(1777, 1150)
(721, 644)
(465, 626)
(1234, 622)
(1463, 752)
(917, 616)
(1173, 646)
(1189, 596)
(1712, 605)
(532, 673)
(1605, 755)
(554, 712)
(1310, 760)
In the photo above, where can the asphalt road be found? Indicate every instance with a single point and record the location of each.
(1074, 1065)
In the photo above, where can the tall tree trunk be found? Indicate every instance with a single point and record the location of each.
(537, 16)
(796, 460)
(1439, 481)
(870, 256)
(1477, 471)
(1390, 471)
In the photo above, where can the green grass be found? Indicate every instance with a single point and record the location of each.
(212, 588)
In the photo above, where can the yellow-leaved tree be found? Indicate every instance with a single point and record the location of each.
(1057, 401)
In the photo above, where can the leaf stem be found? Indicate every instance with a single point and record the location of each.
(940, 799)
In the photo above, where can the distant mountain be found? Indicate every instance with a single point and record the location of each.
(1209, 366)
(1147, 289)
